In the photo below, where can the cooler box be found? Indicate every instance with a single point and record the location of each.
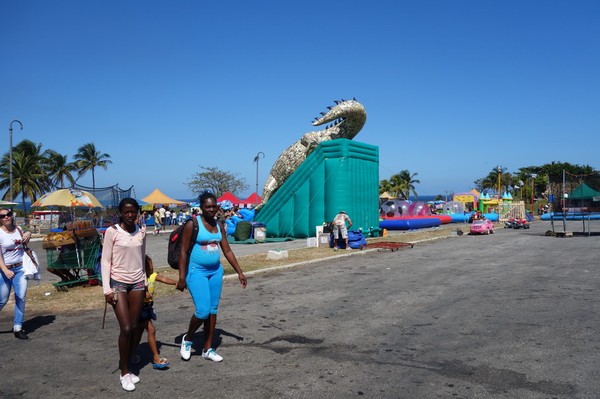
(323, 240)
(259, 231)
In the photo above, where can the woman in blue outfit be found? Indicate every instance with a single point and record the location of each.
(204, 275)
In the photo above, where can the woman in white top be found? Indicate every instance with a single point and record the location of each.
(12, 240)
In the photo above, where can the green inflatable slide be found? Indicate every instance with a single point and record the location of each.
(338, 175)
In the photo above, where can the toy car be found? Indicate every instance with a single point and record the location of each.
(482, 226)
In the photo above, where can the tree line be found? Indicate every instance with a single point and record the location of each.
(525, 183)
(539, 181)
(37, 171)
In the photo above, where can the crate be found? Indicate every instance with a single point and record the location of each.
(312, 242)
(58, 239)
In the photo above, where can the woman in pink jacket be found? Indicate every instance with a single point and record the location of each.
(124, 281)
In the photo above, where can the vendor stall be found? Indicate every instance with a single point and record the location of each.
(74, 254)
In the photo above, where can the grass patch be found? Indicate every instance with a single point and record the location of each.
(44, 298)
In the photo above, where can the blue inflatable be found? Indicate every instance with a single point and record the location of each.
(408, 223)
(246, 215)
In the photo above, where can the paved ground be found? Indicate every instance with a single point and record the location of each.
(511, 315)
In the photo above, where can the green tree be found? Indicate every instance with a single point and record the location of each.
(59, 169)
(88, 158)
(217, 181)
(400, 185)
(29, 177)
(490, 182)
(385, 186)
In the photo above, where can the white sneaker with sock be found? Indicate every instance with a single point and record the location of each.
(211, 354)
(186, 349)
(126, 382)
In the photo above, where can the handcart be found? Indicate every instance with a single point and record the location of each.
(76, 252)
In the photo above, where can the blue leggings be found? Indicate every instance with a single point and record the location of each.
(205, 287)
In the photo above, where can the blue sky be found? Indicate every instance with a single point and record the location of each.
(451, 88)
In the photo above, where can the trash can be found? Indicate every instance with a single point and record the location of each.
(259, 231)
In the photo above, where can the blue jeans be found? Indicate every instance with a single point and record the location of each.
(205, 287)
(20, 285)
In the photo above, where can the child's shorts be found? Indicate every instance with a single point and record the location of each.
(148, 312)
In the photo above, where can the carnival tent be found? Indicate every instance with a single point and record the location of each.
(227, 196)
(253, 199)
(584, 192)
(157, 197)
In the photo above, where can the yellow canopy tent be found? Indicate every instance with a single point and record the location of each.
(157, 197)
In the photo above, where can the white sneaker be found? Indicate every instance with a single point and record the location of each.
(186, 349)
(211, 354)
(126, 382)
(134, 378)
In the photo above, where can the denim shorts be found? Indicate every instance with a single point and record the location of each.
(125, 287)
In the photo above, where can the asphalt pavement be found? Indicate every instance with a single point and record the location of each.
(509, 315)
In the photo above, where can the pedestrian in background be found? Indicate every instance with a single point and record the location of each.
(157, 221)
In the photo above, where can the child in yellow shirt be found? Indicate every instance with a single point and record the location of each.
(158, 363)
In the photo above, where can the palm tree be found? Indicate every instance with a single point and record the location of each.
(59, 169)
(30, 178)
(88, 159)
(403, 184)
(385, 186)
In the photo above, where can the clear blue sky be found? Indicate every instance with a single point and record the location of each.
(451, 88)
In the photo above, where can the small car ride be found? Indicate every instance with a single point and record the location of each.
(482, 226)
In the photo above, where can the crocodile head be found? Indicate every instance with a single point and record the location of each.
(348, 117)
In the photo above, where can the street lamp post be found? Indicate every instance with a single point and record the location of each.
(10, 148)
(499, 169)
(533, 176)
(256, 158)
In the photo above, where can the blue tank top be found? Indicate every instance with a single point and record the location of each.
(206, 252)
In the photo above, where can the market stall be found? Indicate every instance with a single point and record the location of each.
(73, 254)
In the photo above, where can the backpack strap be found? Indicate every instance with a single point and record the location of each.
(195, 230)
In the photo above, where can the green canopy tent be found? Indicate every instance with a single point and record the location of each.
(584, 192)
(583, 197)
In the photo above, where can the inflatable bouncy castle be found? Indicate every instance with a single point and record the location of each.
(407, 215)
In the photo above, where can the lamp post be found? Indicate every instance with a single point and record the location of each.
(499, 170)
(533, 176)
(256, 158)
(10, 148)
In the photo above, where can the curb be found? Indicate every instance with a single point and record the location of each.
(338, 256)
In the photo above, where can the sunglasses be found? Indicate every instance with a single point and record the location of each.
(5, 215)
